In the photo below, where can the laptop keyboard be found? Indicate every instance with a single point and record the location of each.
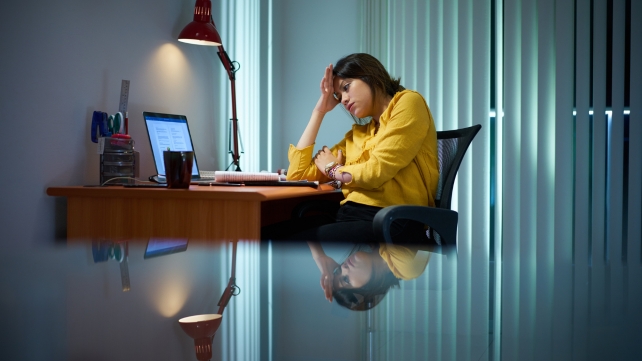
(208, 174)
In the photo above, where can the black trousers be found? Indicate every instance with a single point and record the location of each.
(352, 223)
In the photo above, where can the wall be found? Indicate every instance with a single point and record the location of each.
(58, 66)
(61, 61)
(305, 323)
(75, 309)
(309, 35)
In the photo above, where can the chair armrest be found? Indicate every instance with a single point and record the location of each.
(442, 221)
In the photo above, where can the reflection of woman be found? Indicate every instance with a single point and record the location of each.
(364, 278)
(389, 160)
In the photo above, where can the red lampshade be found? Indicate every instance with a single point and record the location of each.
(201, 31)
(202, 329)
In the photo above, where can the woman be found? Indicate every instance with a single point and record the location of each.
(367, 274)
(389, 159)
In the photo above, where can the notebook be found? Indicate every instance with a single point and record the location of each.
(170, 130)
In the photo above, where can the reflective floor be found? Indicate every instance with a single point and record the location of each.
(122, 301)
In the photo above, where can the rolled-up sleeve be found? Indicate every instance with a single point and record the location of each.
(301, 164)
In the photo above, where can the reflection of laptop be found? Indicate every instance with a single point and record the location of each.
(171, 131)
(164, 246)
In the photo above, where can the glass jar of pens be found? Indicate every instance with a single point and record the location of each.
(119, 161)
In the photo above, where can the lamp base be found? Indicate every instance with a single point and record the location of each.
(237, 167)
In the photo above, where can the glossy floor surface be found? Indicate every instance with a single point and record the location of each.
(122, 301)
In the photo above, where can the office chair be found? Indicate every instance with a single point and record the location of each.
(451, 148)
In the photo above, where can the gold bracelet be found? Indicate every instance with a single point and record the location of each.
(328, 166)
(332, 172)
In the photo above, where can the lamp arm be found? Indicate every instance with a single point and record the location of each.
(236, 154)
(228, 64)
(227, 295)
(231, 284)
(231, 69)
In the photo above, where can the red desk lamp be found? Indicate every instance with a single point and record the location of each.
(202, 31)
(202, 328)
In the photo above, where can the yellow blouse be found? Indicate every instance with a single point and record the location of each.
(395, 165)
(405, 262)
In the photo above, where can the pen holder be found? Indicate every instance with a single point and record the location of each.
(119, 162)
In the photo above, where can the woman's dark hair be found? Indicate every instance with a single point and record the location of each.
(370, 294)
(370, 70)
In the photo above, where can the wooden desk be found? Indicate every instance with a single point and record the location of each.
(201, 213)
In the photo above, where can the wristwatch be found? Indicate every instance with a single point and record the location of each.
(328, 166)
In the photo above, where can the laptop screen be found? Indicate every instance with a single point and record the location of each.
(168, 131)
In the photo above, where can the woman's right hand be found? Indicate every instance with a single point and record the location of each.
(327, 101)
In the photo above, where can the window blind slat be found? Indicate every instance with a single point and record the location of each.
(479, 155)
(598, 196)
(498, 147)
(560, 160)
(634, 232)
(582, 222)
(561, 279)
(529, 195)
(582, 134)
(615, 162)
(510, 324)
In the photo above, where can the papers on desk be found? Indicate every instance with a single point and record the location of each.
(236, 177)
(258, 179)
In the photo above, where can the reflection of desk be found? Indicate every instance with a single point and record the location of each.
(207, 213)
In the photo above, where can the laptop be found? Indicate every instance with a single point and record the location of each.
(171, 131)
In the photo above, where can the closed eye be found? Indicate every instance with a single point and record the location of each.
(346, 280)
(343, 279)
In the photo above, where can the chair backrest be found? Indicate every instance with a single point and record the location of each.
(451, 148)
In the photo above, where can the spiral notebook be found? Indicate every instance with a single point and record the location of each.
(256, 179)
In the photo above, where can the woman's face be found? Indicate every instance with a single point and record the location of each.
(355, 95)
(356, 271)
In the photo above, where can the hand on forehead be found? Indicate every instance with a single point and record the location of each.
(337, 84)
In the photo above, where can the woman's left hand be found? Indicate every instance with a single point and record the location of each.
(327, 266)
(325, 156)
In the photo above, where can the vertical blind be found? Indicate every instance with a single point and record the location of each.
(608, 160)
(442, 49)
(240, 330)
(240, 28)
(554, 177)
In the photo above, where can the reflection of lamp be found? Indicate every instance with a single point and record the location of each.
(202, 31)
(202, 328)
